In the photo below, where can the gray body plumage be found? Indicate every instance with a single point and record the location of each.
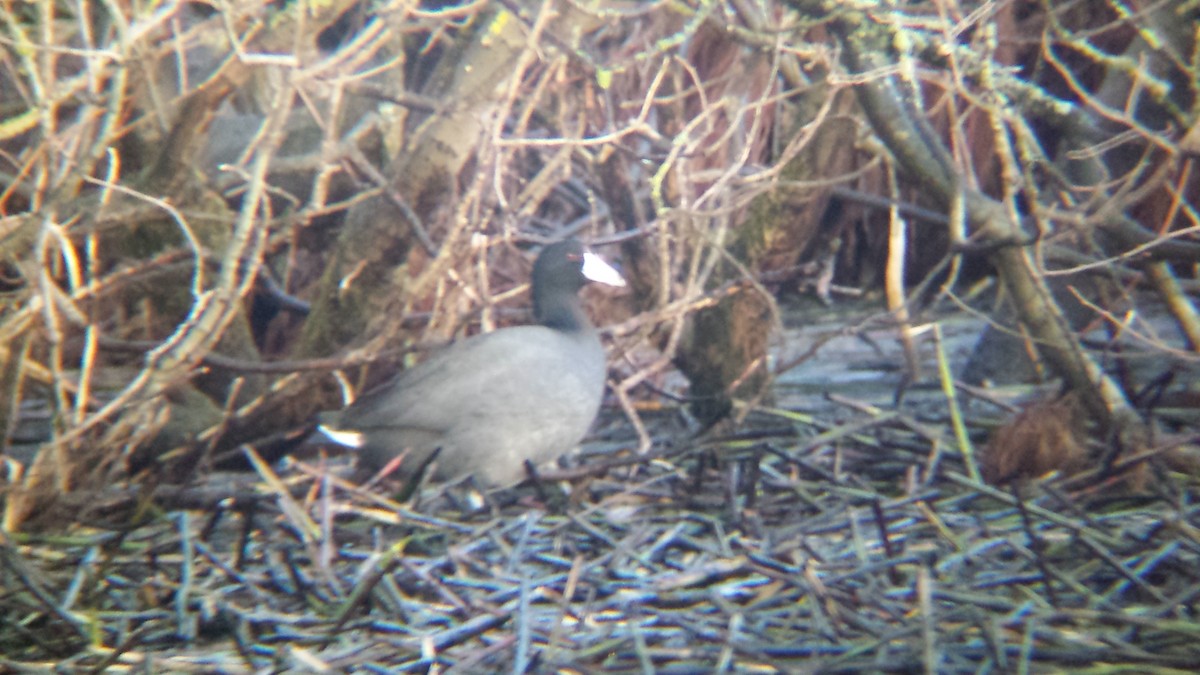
(535, 417)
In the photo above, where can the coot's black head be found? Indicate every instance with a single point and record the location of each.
(561, 269)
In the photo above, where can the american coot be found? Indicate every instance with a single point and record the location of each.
(493, 401)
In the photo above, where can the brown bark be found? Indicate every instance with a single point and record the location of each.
(928, 162)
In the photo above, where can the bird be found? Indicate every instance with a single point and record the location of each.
(487, 405)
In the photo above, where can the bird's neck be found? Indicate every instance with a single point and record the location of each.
(561, 313)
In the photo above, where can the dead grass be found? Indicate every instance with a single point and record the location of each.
(803, 549)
